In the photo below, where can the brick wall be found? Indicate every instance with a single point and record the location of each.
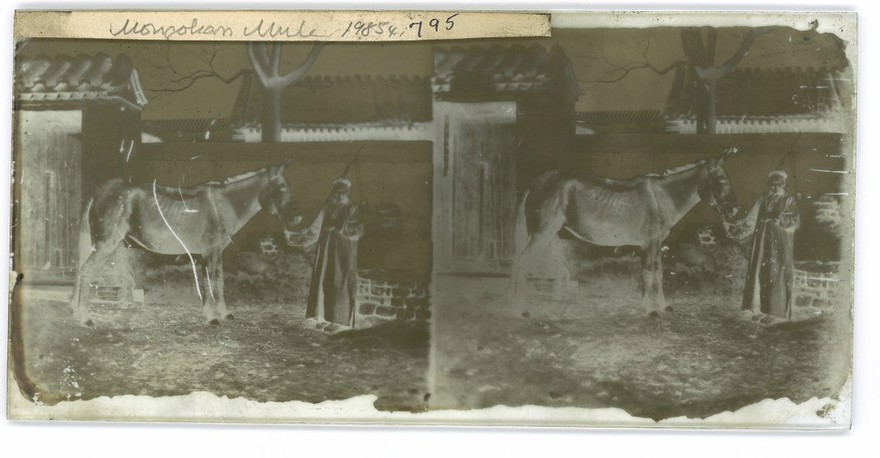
(816, 290)
(381, 301)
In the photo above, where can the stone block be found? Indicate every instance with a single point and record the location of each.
(803, 301)
(822, 303)
(417, 301)
(386, 311)
(367, 308)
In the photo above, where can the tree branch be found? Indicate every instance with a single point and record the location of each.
(298, 72)
(744, 48)
(276, 59)
(627, 70)
(191, 79)
(258, 55)
(692, 44)
(711, 44)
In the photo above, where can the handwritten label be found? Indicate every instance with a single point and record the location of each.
(278, 25)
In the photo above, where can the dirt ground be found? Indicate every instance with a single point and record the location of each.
(267, 353)
(601, 350)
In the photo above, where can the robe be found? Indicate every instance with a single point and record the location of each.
(333, 288)
(770, 273)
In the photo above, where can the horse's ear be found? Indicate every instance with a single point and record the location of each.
(284, 165)
(727, 155)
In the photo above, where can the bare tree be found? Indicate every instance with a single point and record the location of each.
(266, 61)
(174, 77)
(701, 59)
(179, 74)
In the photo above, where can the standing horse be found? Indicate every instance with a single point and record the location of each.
(607, 212)
(196, 221)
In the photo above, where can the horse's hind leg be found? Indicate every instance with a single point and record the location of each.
(217, 263)
(660, 298)
(649, 263)
(213, 301)
(100, 257)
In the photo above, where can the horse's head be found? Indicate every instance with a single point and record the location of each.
(716, 189)
(278, 198)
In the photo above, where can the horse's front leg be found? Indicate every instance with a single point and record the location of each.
(206, 280)
(218, 288)
(648, 277)
(660, 298)
(214, 304)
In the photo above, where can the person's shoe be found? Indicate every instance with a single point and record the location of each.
(336, 327)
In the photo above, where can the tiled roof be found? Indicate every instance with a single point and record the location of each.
(341, 100)
(747, 98)
(72, 79)
(325, 132)
(614, 117)
(514, 69)
(812, 122)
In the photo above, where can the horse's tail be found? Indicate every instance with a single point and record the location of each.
(520, 240)
(85, 234)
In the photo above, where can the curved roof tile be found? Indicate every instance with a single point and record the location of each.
(83, 77)
(516, 68)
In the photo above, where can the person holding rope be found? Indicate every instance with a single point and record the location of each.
(333, 287)
(773, 220)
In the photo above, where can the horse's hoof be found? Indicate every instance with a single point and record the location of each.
(230, 316)
(653, 314)
(668, 308)
(214, 322)
(89, 323)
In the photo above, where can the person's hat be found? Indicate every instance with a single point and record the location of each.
(778, 173)
(342, 181)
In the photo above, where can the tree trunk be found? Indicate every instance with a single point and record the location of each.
(704, 109)
(707, 74)
(271, 117)
(711, 116)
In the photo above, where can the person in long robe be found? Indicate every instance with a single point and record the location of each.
(333, 288)
(773, 219)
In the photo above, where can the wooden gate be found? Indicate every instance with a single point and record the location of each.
(475, 186)
(50, 195)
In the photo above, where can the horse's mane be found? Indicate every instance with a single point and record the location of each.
(624, 184)
(242, 176)
(193, 190)
(676, 170)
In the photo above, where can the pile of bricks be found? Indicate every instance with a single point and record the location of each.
(381, 301)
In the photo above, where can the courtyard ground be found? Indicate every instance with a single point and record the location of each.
(599, 349)
(164, 347)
